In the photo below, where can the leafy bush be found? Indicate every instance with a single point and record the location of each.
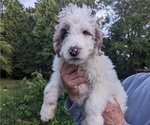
(24, 107)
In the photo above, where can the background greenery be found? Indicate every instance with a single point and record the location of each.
(26, 36)
(21, 102)
(27, 33)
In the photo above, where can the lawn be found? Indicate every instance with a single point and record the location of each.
(20, 103)
(9, 88)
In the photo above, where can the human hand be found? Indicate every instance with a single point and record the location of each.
(113, 114)
(71, 78)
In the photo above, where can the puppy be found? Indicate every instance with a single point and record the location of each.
(77, 41)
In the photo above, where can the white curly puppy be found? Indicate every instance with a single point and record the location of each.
(77, 41)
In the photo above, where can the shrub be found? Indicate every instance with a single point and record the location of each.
(24, 107)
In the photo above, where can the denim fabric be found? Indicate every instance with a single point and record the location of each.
(138, 90)
(76, 111)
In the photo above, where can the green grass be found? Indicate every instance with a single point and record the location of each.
(9, 83)
(9, 88)
(20, 103)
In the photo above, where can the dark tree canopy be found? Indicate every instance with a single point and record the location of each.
(129, 40)
(30, 32)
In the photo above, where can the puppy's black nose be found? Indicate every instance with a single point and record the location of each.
(74, 51)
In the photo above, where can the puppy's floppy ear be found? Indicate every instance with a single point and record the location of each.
(57, 40)
(98, 36)
(59, 35)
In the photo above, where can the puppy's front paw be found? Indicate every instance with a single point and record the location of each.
(47, 112)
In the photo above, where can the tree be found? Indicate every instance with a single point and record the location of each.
(45, 17)
(3, 4)
(129, 38)
(5, 53)
(31, 33)
(19, 30)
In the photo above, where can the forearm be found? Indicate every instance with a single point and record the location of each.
(113, 114)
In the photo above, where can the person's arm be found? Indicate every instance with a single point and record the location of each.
(71, 78)
(113, 115)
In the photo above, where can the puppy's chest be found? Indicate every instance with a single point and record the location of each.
(85, 90)
(93, 79)
(92, 74)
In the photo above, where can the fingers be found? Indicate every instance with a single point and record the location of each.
(112, 105)
(76, 82)
(68, 69)
(71, 78)
(72, 83)
(116, 102)
(113, 114)
(76, 74)
(74, 91)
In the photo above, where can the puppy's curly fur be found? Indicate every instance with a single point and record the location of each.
(77, 41)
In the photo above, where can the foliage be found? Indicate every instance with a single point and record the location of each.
(24, 107)
(18, 31)
(30, 32)
(5, 53)
(45, 17)
(4, 57)
(128, 42)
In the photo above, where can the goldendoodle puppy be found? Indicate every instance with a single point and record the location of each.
(77, 41)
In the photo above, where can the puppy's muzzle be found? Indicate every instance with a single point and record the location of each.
(74, 51)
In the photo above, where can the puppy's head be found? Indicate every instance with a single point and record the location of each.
(77, 34)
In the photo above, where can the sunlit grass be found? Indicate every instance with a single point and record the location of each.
(9, 88)
(21, 102)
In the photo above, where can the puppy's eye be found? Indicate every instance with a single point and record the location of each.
(64, 33)
(85, 32)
